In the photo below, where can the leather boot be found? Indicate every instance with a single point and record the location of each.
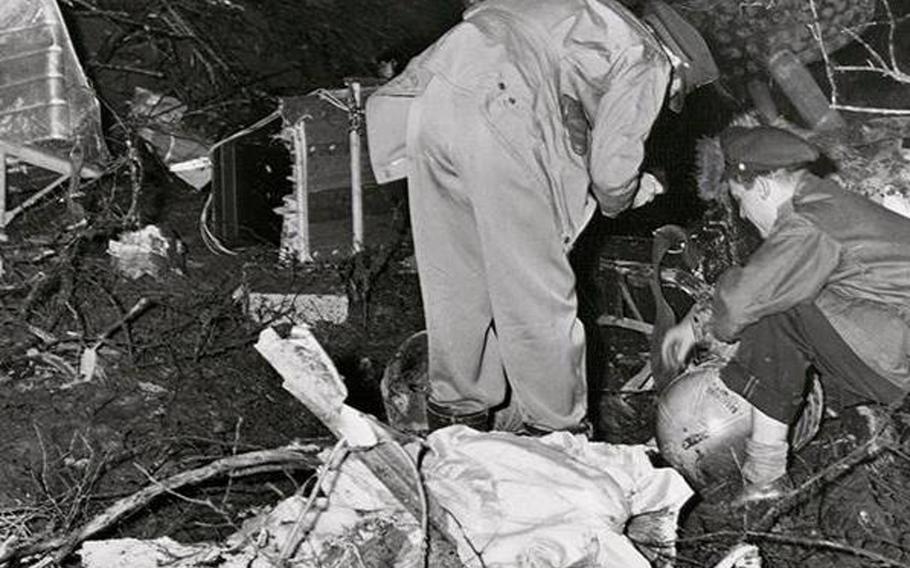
(764, 473)
(767, 492)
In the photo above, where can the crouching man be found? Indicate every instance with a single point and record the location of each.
(829, 286)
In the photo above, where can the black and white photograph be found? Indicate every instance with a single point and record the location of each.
(454, 283)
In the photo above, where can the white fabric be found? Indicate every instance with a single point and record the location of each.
(546, 502)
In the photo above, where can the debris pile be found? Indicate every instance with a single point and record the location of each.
(611, 506)
(147, 252)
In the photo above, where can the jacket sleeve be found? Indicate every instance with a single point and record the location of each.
(632, 93)
(789, 268)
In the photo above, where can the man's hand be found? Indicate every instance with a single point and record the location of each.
(648, 188)
(677, 344)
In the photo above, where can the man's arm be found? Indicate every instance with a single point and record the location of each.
(632, 95)
(790, 267)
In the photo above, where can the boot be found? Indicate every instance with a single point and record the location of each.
(767, 492)
(440, 416)
(764, 473)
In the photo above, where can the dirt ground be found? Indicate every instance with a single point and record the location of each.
(182, 385)
(182, 388)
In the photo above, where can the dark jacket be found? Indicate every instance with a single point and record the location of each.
(845, 253)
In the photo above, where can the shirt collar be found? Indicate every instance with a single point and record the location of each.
(805, 184)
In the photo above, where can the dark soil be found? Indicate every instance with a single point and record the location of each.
(182, 388)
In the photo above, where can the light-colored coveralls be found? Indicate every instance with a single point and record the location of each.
(498, 196)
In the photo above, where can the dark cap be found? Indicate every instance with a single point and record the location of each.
(678, 35)
(764, 149)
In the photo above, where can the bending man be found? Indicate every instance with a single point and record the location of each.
(529, 117)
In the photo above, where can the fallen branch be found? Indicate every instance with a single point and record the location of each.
(140, 306)
(127, 69)
(876, 64)
(875, 445)
(890, 68)
(872, 110)
(828, 545)
(817, 543)
(89, 360)
(147, 24)
(253, 462)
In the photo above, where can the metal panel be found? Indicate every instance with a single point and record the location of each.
(327, 126)
(44, 94)
(250, 175)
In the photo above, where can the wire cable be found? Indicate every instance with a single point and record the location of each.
(211, 241)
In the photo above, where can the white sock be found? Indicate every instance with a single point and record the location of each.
(765, 462)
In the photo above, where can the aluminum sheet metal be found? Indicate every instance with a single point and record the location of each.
(44, 94)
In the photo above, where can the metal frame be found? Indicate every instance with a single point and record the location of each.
(40, 159)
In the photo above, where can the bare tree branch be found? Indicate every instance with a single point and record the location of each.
(877, 63)
(803, 542)
(61, 546)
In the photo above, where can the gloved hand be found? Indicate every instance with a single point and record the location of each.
(649, 187)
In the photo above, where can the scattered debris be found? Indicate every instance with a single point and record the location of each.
(44, 93)
(196, 172)
(151, 389)
(312, 378)
(59, 547)
(294, 232)
(147, 251)
(326, 125)
(172, 148)
(59, 301)
(741, 556)
(483, 481)
(184, 153)
(611, 507)
(873, 162)
(357, 520)
(158, 109)
(293, 308)
(603, 490)
(88, 362)
(136, 553)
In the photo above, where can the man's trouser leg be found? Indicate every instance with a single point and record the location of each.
(498, 291)
(465, 370)
(769, 368)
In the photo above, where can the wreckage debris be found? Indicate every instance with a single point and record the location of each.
(147, 252)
